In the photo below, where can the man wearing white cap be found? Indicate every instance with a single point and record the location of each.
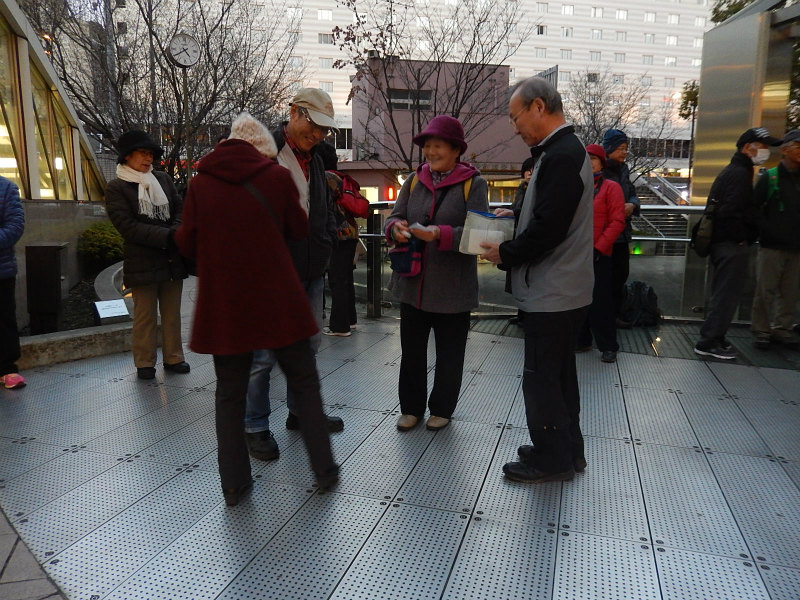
(310, 121)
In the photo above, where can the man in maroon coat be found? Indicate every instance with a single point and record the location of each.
(239, 210)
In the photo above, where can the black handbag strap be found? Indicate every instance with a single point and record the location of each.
(257, 195)
(436, 205)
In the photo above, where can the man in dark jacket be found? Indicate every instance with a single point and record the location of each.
(310, 121)
(12, 224)
(777, 196)
(735, 229)
(615, 144)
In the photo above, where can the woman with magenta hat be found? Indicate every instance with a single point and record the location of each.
(432, 206)
(145, 207)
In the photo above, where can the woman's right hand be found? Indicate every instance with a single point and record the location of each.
(400, 232)
(503, 212)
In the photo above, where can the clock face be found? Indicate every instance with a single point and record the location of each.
(184, 50)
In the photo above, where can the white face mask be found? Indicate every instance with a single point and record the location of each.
(762, 154)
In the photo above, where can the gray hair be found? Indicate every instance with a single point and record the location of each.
(536, 87)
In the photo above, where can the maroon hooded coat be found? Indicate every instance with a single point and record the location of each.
(249, 294)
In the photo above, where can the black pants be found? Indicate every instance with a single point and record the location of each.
(450, 333)
(233, 375)
(340, 280)
(9, 334)
(620, 269)
(550, 388)
(601, 320)
(730, 262)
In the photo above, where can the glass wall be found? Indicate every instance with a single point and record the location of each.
(43, 135)
(12, 164)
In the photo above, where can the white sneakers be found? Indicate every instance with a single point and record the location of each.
(327, 331)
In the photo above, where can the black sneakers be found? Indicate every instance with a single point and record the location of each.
(334, 423)
(717, 351)
(181, 367)
(526, 455)
(261, 445)
(517, 471)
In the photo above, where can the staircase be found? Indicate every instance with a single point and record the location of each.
(660, 225)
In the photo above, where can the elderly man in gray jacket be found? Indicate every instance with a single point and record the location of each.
(551, 280)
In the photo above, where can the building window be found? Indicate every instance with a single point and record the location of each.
(597, 34)
(672, 40)
(295, 61)
(644, 101)
(325, 15)
(649, 17)
(541, 52)
(409, 99)
(670, 61)
(566, 53)
(325, 62)
(673, 19)
(696, 62)
(564, 76)
(325, 38)
(697, 43)
(699, 21)
(618, 78)
(566, 32)
(622, 14)
(619, 57)
(326, 86)
(647, 59)
(622, 36)
(669, 82)
(541, 30)
(343, 140)
(295, 13)
(592, 77)
(541, 7)
(595, 56)
(12, 153)
(646, 80)
(649, 38)
(567, 9)
(597, 12)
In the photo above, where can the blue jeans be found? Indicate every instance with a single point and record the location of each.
(258, 408)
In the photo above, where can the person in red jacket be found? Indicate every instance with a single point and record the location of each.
(240, 209)
(609, 222)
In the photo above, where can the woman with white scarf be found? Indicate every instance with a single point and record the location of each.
(146, 209)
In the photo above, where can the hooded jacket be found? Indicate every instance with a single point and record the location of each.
(620, 173)
(448, 282)
(735, 216)
(609, 215)
(12, 225)
(312, 254)
(249, 294)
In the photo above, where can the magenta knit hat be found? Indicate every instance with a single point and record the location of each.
(444, 127)
(597, 150)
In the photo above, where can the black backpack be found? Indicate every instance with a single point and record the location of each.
(640, 305)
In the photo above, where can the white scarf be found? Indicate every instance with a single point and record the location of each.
(286, 158)
(153, 201)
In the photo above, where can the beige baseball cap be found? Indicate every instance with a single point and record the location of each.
(318, 104)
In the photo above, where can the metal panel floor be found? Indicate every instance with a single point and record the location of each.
(691, 490)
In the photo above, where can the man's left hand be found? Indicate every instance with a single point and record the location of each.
(629, 208)
(492, 252)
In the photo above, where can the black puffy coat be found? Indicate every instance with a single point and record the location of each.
(149, 255)
(735, 216)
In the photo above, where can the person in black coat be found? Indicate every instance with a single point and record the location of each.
(146, 208)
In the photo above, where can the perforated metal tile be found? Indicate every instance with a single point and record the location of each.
(692, 575)
(658, 417)
(501, 498)
(487, 398)
(782, 583)
(36, 379)
(311, 553)
(603, 412)
(506, 357)
(446, 476)
(766, 505)
(685, 505)
(119, 365)
(155, 426)
(777, 423)
(20, 455)
(590, 567)
(792, 468)
(590, 504)
(132, 538)
(362, 385)
(721, 426)
(744, 382)
(197, 565)
(201, 376)
(593, 372)
(380, 465)
(787, 382)
(638, 371)
(503, 560)
(516, 417)
(36, 487)
(478, 348)
(671, 342)
(187, 445)
(408, 556)
(689, 376)
(62, 522)
(636, 341)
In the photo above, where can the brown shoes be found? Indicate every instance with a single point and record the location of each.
(407, 422)
(437, 423)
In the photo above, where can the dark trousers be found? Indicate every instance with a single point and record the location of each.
(233, 375)
(340, 280)
(450, 333)
(9, 334)
(729, 261)
(550, 388)
(601, 320)
(620, 269)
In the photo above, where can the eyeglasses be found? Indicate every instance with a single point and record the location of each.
(512, 119)
(325, 131)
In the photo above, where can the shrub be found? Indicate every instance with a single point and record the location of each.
(101, 244)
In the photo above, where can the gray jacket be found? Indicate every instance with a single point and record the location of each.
(448, 282)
